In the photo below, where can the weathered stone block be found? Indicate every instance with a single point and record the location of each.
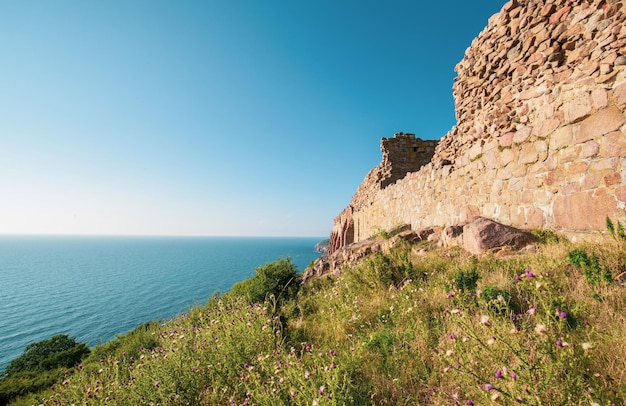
(600, 98)
(546, 127)
(600, 123)
(613, 144)
(619, 94)
(578, 108)
(589, 149)
(584, 211)
(561, 138)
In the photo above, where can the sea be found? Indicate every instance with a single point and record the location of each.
(96, 287)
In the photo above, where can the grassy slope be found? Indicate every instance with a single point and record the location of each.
(405, 328)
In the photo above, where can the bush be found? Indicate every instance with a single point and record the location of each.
(60, 351)
(278, 278)
(40, 365)
(590, 265)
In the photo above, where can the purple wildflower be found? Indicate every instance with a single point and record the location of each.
(470, 403)
(559, 343)
(499, 374)
(563, 315)
(514, 376)
(488, 386)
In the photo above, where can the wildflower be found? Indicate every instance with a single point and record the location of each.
(455, 311)
(321, 391)
(491, 341)
(559, 343)
(307, 374)
(586, 346)
(499, 374)
(531, 310)
(541, 329)
(451, 336)
(514, 330)
(514, 376)
(157, 384)
(449, 353)
(470, 403)
(563, 315)
(451, 294)
(484, 320)
(517, 278)
(488, 386)
(495, 396)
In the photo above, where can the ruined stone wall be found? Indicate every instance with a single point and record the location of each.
(540, 140)
(402, 154)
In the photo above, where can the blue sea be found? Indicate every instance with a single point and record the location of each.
(93, 288)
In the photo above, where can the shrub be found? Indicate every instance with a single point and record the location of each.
(466, 280)
(40, 365)
(590, 265)
(278, 278)
(58, 351)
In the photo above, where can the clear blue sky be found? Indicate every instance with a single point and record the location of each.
(233, 117)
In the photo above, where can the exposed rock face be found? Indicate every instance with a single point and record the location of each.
(477, 236)
(350, 255)
(540, 139)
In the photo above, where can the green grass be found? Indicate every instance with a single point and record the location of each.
(406, 328)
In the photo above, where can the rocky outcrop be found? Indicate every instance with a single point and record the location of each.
(540, 138)
(477, 236)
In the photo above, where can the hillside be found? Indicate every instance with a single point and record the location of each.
(415, 325)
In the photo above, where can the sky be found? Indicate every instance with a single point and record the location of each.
(214, 118)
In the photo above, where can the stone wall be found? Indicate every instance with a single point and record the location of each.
(540, 139)
(402, 154)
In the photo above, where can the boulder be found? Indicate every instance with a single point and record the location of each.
(481, 235)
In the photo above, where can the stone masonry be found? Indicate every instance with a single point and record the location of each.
(540, 139)
(401, 154)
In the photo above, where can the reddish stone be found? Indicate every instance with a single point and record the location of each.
(584, 211)
(577, 167)
(600, 123)
(613, 145)
(592, 180)
(506, 139)
(612, 179)
(546, 127)
(600, 98)
(560, 15)
(481, 234)
(535, 218)
(620, 193)
(619, 94)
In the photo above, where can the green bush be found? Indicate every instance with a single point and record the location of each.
(466, 280)
(590, 265)
(58, 351)
(278, 278)
(41, 364)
